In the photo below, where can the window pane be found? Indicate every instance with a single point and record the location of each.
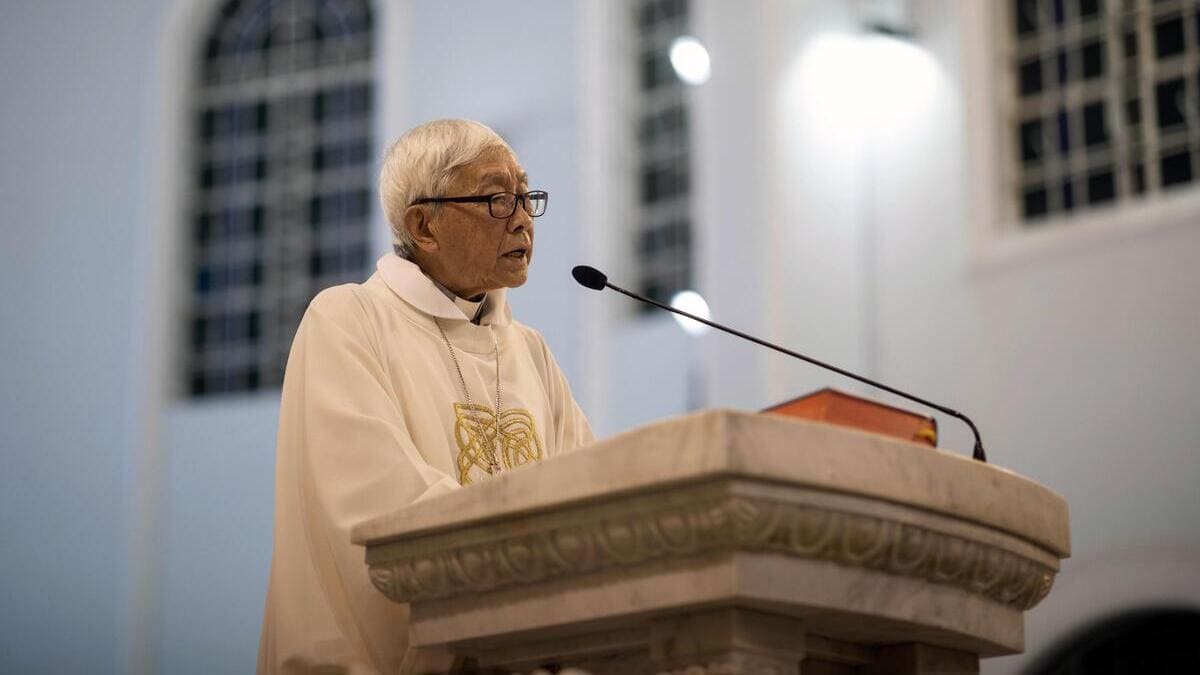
(1031, 77)
(1169, 101)
(1095, 127)
(1101, 187)
(1176, 168)
(1168, 38)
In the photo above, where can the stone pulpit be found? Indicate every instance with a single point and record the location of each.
(728, 542)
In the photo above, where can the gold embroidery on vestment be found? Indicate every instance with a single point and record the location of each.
(476, 432)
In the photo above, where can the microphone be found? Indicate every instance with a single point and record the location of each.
(592, 278)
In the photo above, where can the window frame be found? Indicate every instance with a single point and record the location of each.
(997, 237)
(668, 223)
(289, 250)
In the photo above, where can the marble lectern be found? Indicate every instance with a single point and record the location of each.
(728, 542)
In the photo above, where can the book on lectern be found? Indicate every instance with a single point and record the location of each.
(841, 409)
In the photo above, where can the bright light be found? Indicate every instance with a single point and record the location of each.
(904, 75)
(690, 60)
(853, 83)
(692, 303)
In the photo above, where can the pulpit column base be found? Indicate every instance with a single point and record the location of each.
(921, 659)
(727, 642)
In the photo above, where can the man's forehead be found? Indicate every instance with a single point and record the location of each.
(503, 174)
(495, 165)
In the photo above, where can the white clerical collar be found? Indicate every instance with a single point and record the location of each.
(410, 283)
(470, 308)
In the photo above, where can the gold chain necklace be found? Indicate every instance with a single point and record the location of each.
(493, 461)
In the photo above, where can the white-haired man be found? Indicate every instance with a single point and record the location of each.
(409, 385)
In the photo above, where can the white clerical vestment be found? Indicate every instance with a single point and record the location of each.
(373, 418)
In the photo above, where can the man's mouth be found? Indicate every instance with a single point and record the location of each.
(517, 252)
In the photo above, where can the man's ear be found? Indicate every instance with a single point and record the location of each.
(417, 224)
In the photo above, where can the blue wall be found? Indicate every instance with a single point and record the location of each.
(1078, 358)
(72, 204)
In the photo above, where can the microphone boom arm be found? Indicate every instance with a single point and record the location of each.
(978, 452)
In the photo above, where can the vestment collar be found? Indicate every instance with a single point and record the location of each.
(410, 283)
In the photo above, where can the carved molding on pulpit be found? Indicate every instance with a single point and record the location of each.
(699, 522)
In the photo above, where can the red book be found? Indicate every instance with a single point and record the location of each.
(842, 409)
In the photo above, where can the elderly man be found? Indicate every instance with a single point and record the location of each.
(410, 385)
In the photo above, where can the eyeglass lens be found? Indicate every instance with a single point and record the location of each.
(504, 204)
(535, 202)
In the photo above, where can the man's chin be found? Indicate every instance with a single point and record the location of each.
(511, 273)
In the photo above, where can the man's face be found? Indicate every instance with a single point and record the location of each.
(476, 252)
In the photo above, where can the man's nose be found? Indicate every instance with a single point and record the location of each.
(520, 220)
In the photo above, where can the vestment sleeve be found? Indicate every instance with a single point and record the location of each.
(571, 426)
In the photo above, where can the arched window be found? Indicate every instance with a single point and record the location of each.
(281, 177)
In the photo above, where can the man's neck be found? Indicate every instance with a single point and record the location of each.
(472, 308)
(430, 270)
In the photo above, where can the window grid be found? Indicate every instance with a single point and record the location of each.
(281, 180)
(1104, 105)
(663, 194)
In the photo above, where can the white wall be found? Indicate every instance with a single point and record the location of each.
(72, 217)
(139, 533)
(215, 545)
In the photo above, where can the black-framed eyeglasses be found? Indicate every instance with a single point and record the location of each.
(501, 204)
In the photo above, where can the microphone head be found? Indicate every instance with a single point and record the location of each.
(590, 277)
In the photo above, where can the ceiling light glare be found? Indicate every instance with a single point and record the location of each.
(692, 303)
(690, 60)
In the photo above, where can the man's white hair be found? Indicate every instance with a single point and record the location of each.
(420, 164)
